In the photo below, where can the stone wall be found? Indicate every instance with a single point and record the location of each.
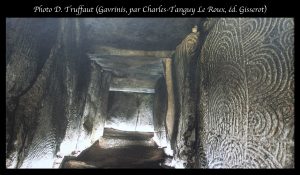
(244, 100)
(234, 95)
(91, 123)
(159, 112)
(48, 78)
(185, 71)
(247, 94)
(130, 111)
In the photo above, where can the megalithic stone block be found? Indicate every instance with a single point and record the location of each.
(170, 117)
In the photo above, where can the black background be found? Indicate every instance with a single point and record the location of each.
(278, 8)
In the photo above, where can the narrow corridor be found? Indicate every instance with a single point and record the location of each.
(120, 149)
(210, 92)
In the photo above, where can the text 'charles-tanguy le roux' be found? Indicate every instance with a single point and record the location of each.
(78, 10)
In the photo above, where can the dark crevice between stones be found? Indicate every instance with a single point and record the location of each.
(88, 124)
(200, 158)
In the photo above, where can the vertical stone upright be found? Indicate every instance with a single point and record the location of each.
(160, 105)
(170, 115)
(48, 79)
(185, 61)
(247, 94)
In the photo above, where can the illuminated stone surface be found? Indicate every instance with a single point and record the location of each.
(47, 86)
(233, 90)
(130, 112)
(241, 114)
(247, 98)
(119, 149)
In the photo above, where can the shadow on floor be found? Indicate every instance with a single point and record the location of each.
(128, 152)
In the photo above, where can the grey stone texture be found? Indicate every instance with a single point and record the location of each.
(49, 83)
(244, 115)
(233, 85)
(185, 61)
(247, 94)
(160, 111)
(130, 111)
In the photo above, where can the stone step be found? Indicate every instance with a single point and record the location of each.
(120, 149)
(113, 138)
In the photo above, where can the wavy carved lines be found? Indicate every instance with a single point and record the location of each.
(22, 62)
(264, 122)
(272, 76)
(258, 157)
(280, 151)
(209, 23)
(271, 59)
(224, 152)
(287, 40)
(224, 115)
(269, 74)
(39, 148)
(211, 145)
(44, 138)
(223, 43)
(263, 71)
(286, 107)
(24, 39)
(230, 76)
(254, 31)
(227, 98)
(188, 46)
(232, 152)
(218, 163)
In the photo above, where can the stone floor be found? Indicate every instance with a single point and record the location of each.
(119, 149)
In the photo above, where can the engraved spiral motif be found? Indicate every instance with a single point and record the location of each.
(258, 157)
(226, 100)
(249, 91)
(232, 151)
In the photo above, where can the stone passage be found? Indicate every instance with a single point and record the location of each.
(223, 98)
(130, 111)
(119, 149)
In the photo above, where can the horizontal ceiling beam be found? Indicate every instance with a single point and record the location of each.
(133, 90)
(145, 82)
(104, 50)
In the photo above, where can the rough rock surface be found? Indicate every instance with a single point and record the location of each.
(247, 94)
(94, 113)
(185, 68)
(120, 149)
(234, 100)
(47, 80)
(139, 33)
(130, 111)
(159, 113)
(26, 54)
(243, 116)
